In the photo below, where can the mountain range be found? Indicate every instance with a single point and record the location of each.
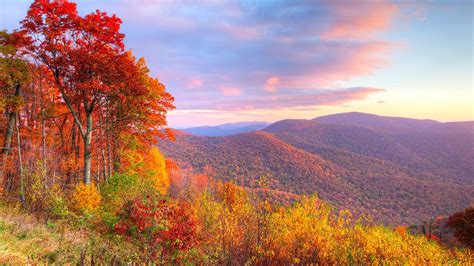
(396, 170)
(226, 129)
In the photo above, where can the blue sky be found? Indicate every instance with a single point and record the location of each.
(227, 61)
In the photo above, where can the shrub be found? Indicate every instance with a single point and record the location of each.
(45, 200)
(85, 198)
(119, 189)
(58, 205)
(463, 225)
(149, 164)
(163, 229)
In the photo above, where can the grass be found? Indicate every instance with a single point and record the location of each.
(25, 240)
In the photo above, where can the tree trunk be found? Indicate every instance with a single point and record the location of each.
(9, 134)
(87, 149)
(109, 158)
(103, 135)
(20, 163)
(43, 131)
(8, 141)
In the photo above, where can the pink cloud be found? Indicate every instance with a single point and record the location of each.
(258, 54)
(359, 20)
(271, 83)
(340, 62)
(278, 101)
(239, 32)
(195, 83)
(230, 91)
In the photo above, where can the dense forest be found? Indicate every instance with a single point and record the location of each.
(83, 182)
(397, 178)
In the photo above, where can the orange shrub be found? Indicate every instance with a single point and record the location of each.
(85, 198)
(401, 230)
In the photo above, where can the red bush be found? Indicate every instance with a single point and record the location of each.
(162, 228)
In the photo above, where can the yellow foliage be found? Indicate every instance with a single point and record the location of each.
(85, 198)
(149, 165)
(235, 230)
(229, 224)
(154, 165)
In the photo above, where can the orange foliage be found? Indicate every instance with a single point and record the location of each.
(149, 165)
(155, 167)
(85, 198)
(401, 230)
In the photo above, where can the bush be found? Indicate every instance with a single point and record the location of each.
(119, 189)
(44, 200)
(163, 229)
(85, 198)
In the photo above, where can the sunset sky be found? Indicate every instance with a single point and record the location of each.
(228, 61)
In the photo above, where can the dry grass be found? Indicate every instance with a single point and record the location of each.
(25, 240)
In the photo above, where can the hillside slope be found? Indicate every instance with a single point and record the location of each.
(443, 149)
(364, 184)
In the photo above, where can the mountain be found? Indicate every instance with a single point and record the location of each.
(226, 129)
(393, 123)
(398, 170)
(376, 121)
(446, 149)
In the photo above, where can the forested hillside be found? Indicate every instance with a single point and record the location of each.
(398, 177)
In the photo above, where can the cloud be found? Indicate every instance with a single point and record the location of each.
(230, 91)
(195, 83)
(285, 100)
(271, 83)
(359, 20)
(264, 49)
(257, 54)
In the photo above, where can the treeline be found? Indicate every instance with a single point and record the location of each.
(74, 101)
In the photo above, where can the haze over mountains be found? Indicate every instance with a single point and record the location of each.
(226, 129)
(398, 170)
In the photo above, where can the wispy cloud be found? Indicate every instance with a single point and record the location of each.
(239, 55)
(266, 50)
(285, 99)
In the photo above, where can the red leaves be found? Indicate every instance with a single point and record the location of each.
(97, 79)
(104, 28)
(160, 226)
(463, 225)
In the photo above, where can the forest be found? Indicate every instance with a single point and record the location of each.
(83, 181)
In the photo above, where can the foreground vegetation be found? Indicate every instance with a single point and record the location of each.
(221, 224)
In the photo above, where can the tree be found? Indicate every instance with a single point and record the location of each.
(14, 74)
(463, 225)
(95, 76)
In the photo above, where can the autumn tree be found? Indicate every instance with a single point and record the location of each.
(14, 74)
(463, 225)
(96, 77)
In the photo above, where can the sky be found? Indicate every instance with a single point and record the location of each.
(230, 61)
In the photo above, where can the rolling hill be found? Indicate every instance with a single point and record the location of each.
(398, 170)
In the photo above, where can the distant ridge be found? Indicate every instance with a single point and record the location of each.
(226, 129)
(392, 123)
(377, 121)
